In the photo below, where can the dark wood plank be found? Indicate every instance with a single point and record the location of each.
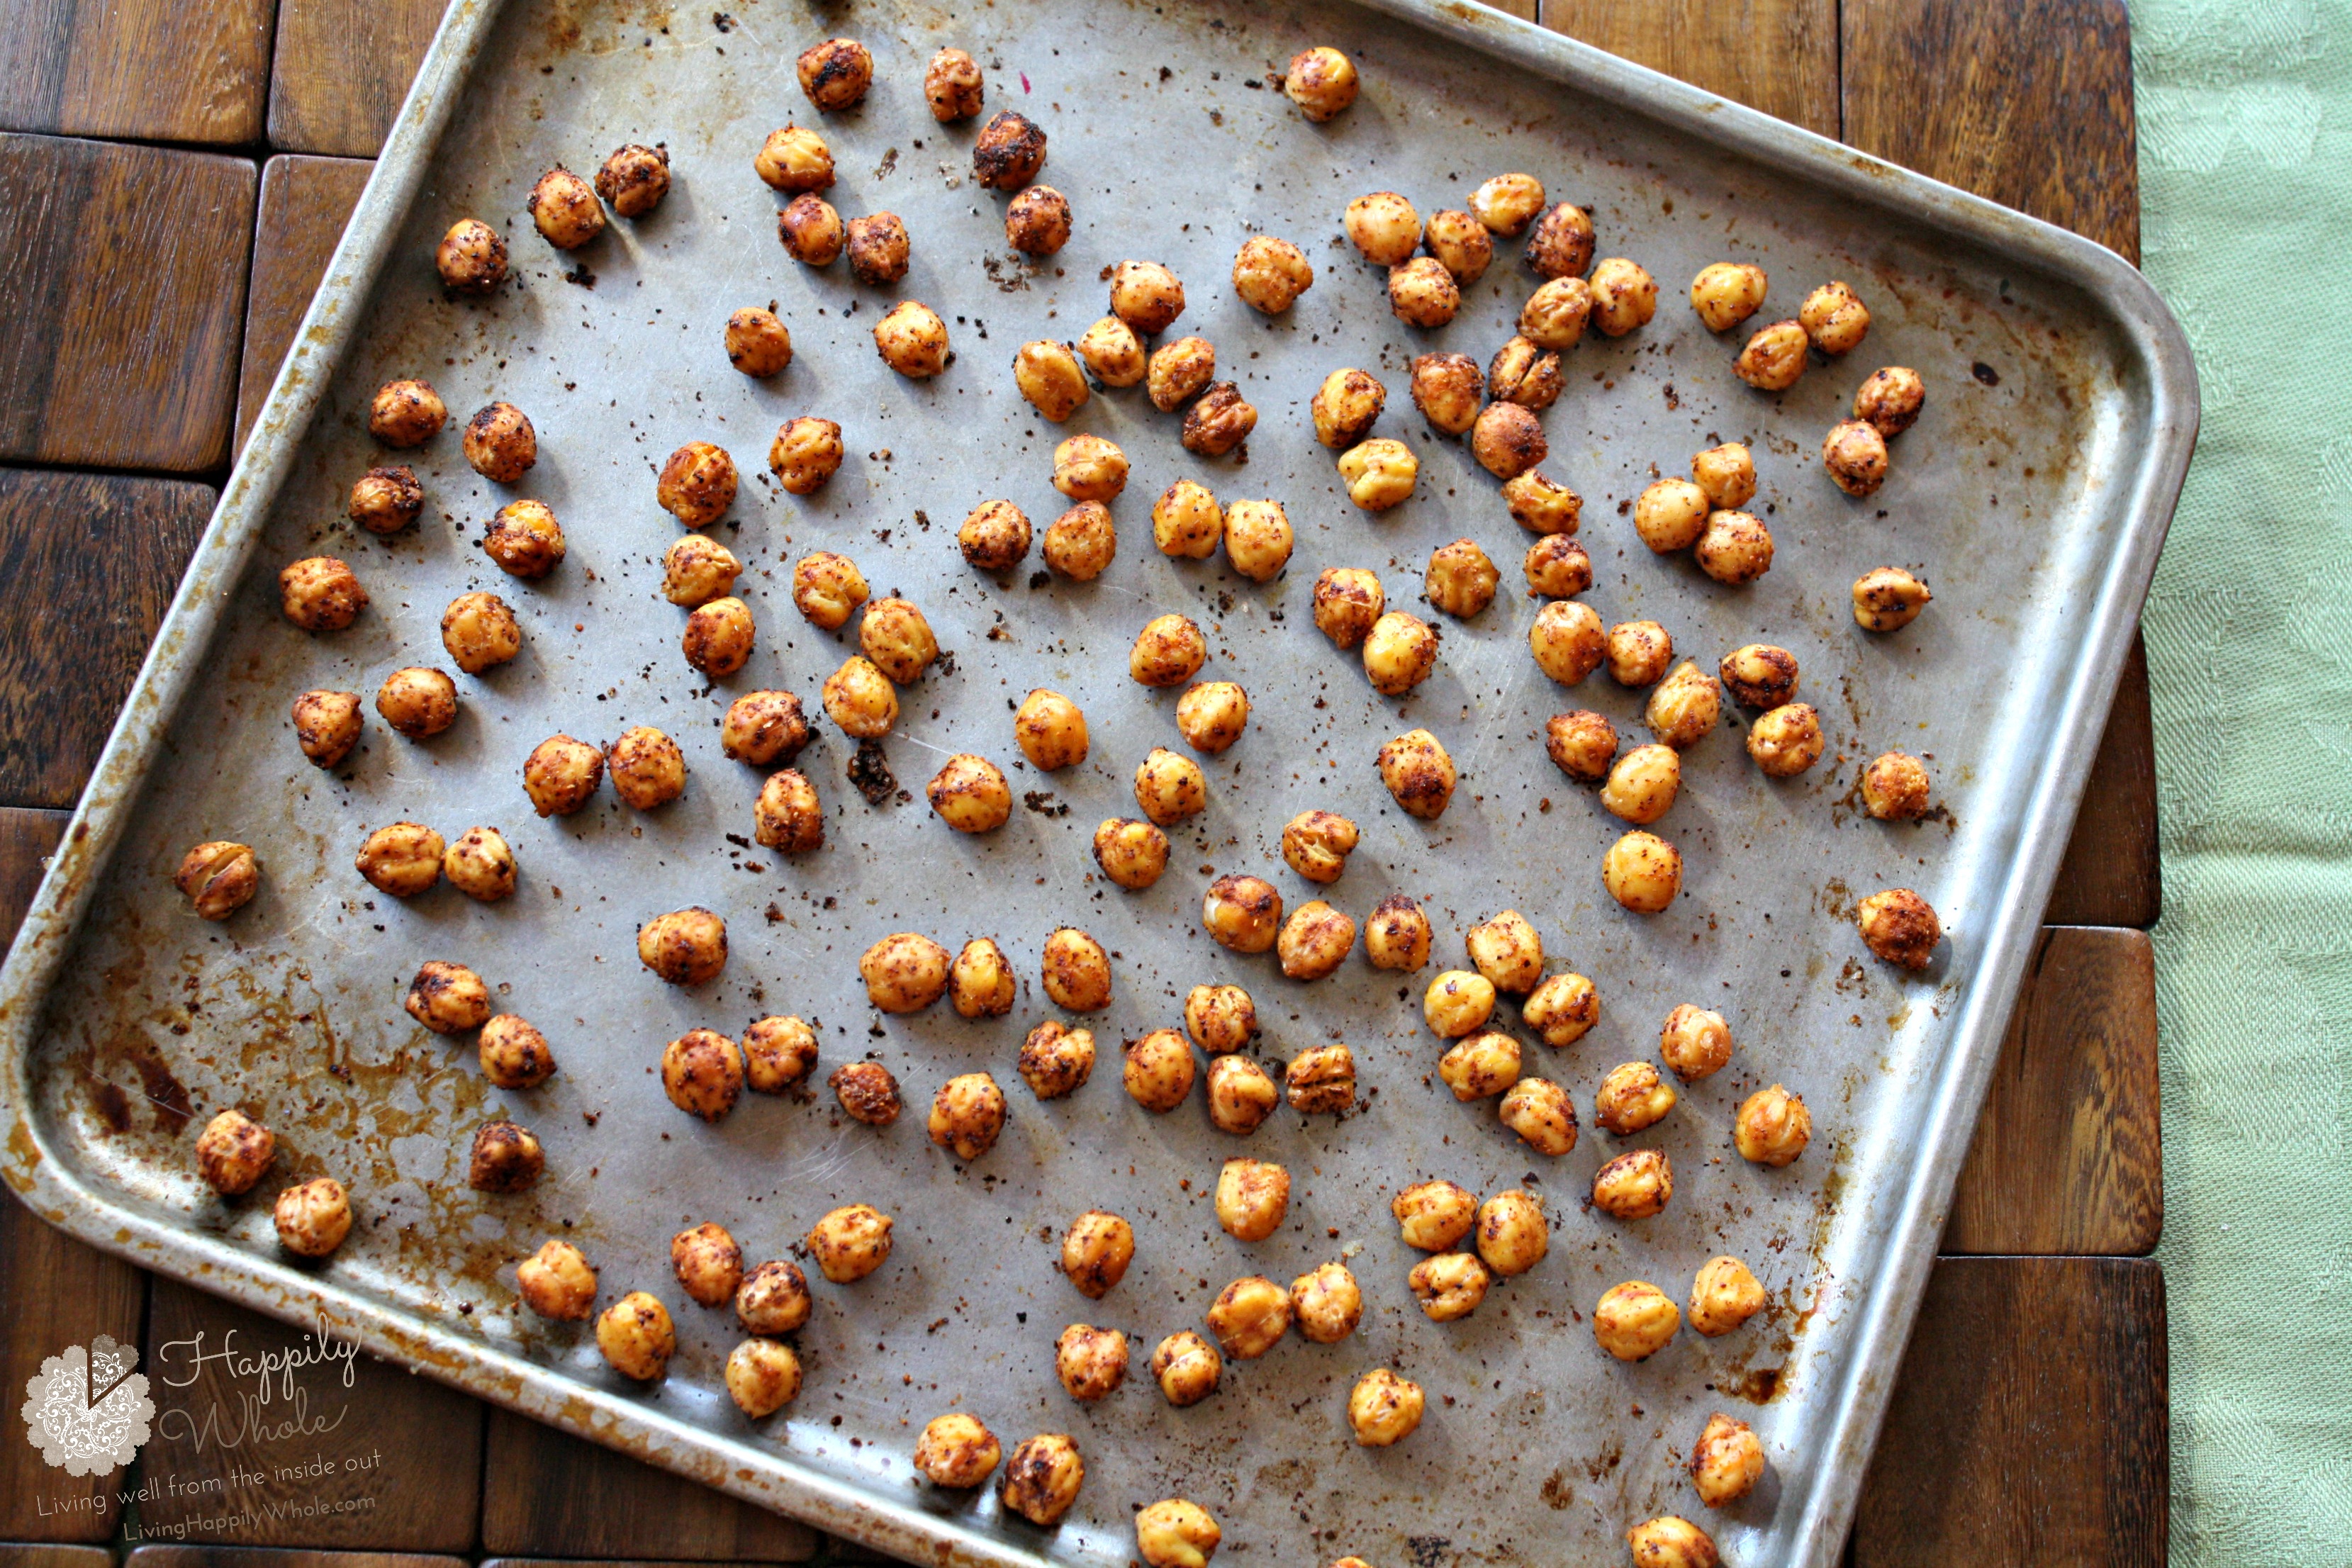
(2068, 1157)
(551, 1494)
(401, 1456)
(16, 1556)
(1779, 56)
(148, 72)
(305, 202)
(340, 69)
(2029, 1425)
(273, 1557)
(122, 303)
(106, 553)
(27, 839)
(2110, 875)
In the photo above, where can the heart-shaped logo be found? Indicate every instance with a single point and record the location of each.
(88, 1410)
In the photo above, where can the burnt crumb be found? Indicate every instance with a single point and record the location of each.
(945, 666)
(722, 21)
(775, 915)
(869, 770)
(582, 276)
(1043, 803)
(1038, 580)
(1985, 373)
(922, 520)
(1426, 1550)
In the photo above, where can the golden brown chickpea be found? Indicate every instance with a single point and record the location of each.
(1786, 741)
(971, 793)
(1379, 473)
(1457, 1003)
(1449, 1286)
(718, 636)
(1888, 598)
(1727, 475)
(479, 865)
(836, 73)
(1448, 389)
(697, 483)
(1562, 1010)
(418, 702)
(953, 87)
(1566, 641)
(850, 1241)
(810, 230)
(1187, 1368)
(1634, 1186)
(912, 339)
(1508, 441)
(1524, 373)
(1506, 204)
(980, 983)
(1057, 1061)
(1090, 1362)
(805, 453)
(1400, 652)
(1434, 1216)
(1556, 565)
(1089, 468)
(1347, 603)
(1346, 406)
(905, 971)
(1321, 81)
(1581, 745)
(1132, 854)
(1635, 1321)
(1667, 1541)
(648, 768)
(1890, 400)
(1421, 293)
(1461, 244)
(636, 1337)
(1178, 371)
(513, 1053)
(561, 775)
(234, 1152)
(500, 444)
(967, 1113)
(404, 859)
(1316, 844)
(1326, 1303)
(1080, 542)
(1900, 926)
(1051, 730)
(1383, 227)
(702, 1073)
(1894, 787)
(1631, 1097)
(1096, 1251)
(1760, 675)
(321, 593)
(1726, 293)
(957, 1450)
(861, 699)
(1047, 375)
(312, 1217)
(1724, 1296)
(1249, 1317)
(1241, 1095)
(1639, 653)
(897, 639)
(1252, 1196)
(1684, 706)
(879, 251)
(556, 1282)
(1624, 296)
(1555, 315)
(1009, 152)
(696, 570)
(1218, 422)
(1042, 1479)
(1258, 536)
(1834, 319)
(1176, 1533)
(1695, 1043)
(1148, 298)
(684, 947)
(1513, 1235)
(525, 540)
(778, 1052)
(1211, 715)
(1460, 579)
(1169, 651)
(1642, 872)
(1561, 245)
(221, 878)
(1856, 456)
(1037, 221)
(708, 1263)
(1219, 1018)
(1243, 913)
(565, 210)
(764, 727)
(1671, 515)
(471, 257)
(385, 500)
(1540, 1112)
(406, 413)
(1773, 1127)
(1506, 951)
(1076, 970)
(1419, 774)
(1169, 789)
(634, 180)
(1322, 1080)
(1727, 1461)
(1774, 357)
(1384, 1409)
(1480, 1065)
(1186, 523)
(1270, 273)
(1113, 352)
(762, 1376)
(1158, 1072)
(826, 588)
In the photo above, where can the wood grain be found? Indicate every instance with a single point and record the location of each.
(340, 70)
(398, 1459)
(551, 1494)
(106, 553)
(1779, 56)
(2068, 1156)
(154, 72)
(122, 303)
(28, 838)
(2110, 875)
(265, 1557)
(12, 1556)
(305, 202)
(2029, 1425)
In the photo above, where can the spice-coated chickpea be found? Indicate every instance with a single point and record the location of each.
(561, 775)
(556, 1282)
(1131, 853)
(1327, 1304)
(1541, 1114)
(1316, 844)
(1211, 715)
(778, 1052)
(867, 1092)
(648, 768)
(564, 209)
(698, 484)
(1774, 357)
(1148, 298)
(1400, 652)
(1727, 1461)
(1642, 872)
(1513, 1235)
(898, 639)
(1449, 1286)
(471, 257)
(912, 339)
(1219, 1018)
(1419, 773)
(1640, 653)
(1524, 373)
(1508, 441)
(810, 230)
(1555, 316)
(1727, 475)
(513, 1053)
(1170, 787)
(1562, 1010)
(1321, 81)
(1506, 204)
(971, 793)
(1834, 319)
(1632, 1096)
(525, 540)
(1056, 1060)
(1037, 221)
(447, 998)
(1076, 970)
(1088, 467)
(418, 702)
(406, 413)
(1562, 244)
(1671, 514)
(764, 727)
(1048, 375)
(1635, 1185)
(1556, 565)
(1786, 741)
(1051, 730)
(1567, 640)
(1252, 1196)
(718, 636)
(1457, 1003)
(1187, 523)
(1890, 400)
(1635, 1321)
(385, 500)
(1379, 473)
(806, 452)
(1856, 456)
(327, 725)
(1384, 1409)
(696, 570)
(1348, 604)
(967, 1114)
(1157, 1071)
(1241, 1095)
(1624, 296)
(1581, 745)
(850, 1243)
(1724, 1295)
(1081, 543)
(402, 859)
(1243, 913)
(1773, 1127)
(1668, 1541)
(1169, 651)
(1900, 926)
(1421, 293)
(1459, 243)
(1249, 1317)
(1695, 1043)
(708, 1263)
(957, 1450)
(1888, 598)
(953, 86)
(826, 588)
(1042, 1479)
(861, 699)
(1383, 227)
(1726, 293)
(1258, 536)
(1460, 579)
(684, 947)
(321, 593)
(634, 180)
(1760, 675)
(1219, 421)
(1684, 706)
(1397, 935)
(312, 1217)
(1187, 1368)
(234, 1152)
(702, 1073)
(1434, 1216)
(499, 443)
(636, 1337)
(1315, 940)
(1113, 352)
(1507, 950)
(1009, 152)
(905, 971)
(879, 252)
(1180, 370)
(1346, 406)
(1480, 1065)
(1448, 390)
(1090, 1362)
(1270, 273)
(1894, 787)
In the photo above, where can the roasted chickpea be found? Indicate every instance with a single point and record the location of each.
(1181, 369)
(1219, 421)
(1834, 319)
(479, 865)
(1671, 515)
(1695, 1043)
(1890, 400)
(1670, 1543)
(320, 595)
(1421, 293)
(1900, 926)
(971, 793)
(1506, 204)
(634, 180)
(968, 1112)
(1888, 598)
(762, 1376)
(1760, 675)
(1397, 936)
(1635, 1186)
(1461, 244)
(1252, 1196)
(1057, 1061)
(1169, 789)
(1090, 1362)
(1051, 730)
(1684, 706)
(636, 1337)
(764, 727)
(1786, 741)
(1506, 951)
(234, 1152)
(1773, 1127)
(1158, 1072)
(1270, 273)
(1249, 1317)
(221, 878)
(1449, 1286)
(1321, 81)
(697, 483)
(810, 230)
(1009, 152)
(1725, 1295)
(564, 209)
(1642, 872)
(905, 971)
(1219, 1018)
(1042, 1479)
(957, 1450)
(514, 1054)
(879, 251)
(778, 1052)
(1076, 970)
(1561, 245)
(708, 1263)
(1556, 565)
(1894, 787)
(1186, 523)
(1130, 852)
(648, 768)
(1169, 651)
(499, 443)
(1243, 913)
(1508, 441)
(1513, 1235)
(1726, 293)
(912, 339)
(1383, 227)
(1480, 1065)
(1566, 641)
(1089, 468)
(1316, 844)
(861, 699)
(1556, 315)
(1346, 406)
(556, 1282)
(1419, 774)
(404, 859)
(1384, 1408)
(1037, 221)
(850, 1241)
(312, 1217)
(1258, 537)
(1448, 389)
(1727, 1461)
(420, 703)
(1347, 602)
(1080, 542)
(471, 257)
(1774, 357)
(1460, 579)
(718, 636)
(684, 947)
(1854, 454)
(953, 87)
(1524, 373)
(1241, 1095)
(1640, 653)
(1581, 745)
(1727, 475)
(836, 73)
(1434, 1216)
(826, 588)
(1327, 1304)
(806, 452)
(525, 540)
(1187, 1368)
(696, 570)
(1047, 375)
(1176, 1533)
(897, 638)
(1540, 1112)
(1635, 1321)
(385, 500)
(1400, 652)
(406, 413)
(1321, 1081)
(1113, 352)
(980, 983)
(561, 775)
(1379, 473)
(702, 1073)
(1457, 1003)
(1631, 1097)
(1562, 1010)
(1148, 298)
(1625, 296)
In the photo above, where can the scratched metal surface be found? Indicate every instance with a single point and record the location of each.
(2031, 495)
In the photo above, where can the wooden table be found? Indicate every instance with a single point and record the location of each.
(171, 179)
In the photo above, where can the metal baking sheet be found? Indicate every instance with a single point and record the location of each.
(2033, 495)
